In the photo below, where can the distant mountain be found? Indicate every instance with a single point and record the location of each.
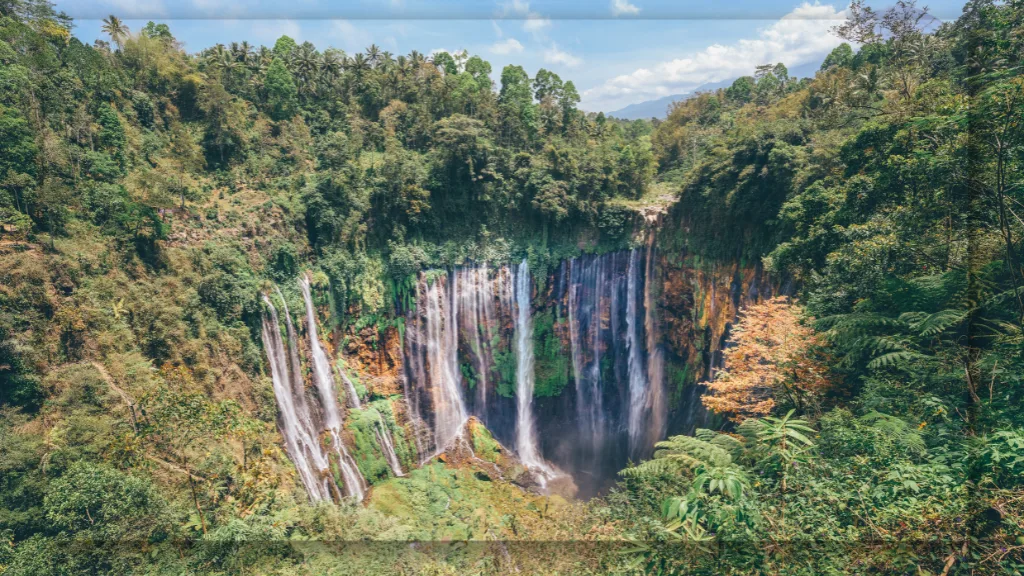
(659, 108)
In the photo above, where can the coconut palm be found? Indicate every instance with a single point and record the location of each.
(116, 29)
(373, 55)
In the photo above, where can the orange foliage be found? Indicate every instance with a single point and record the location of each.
(771, 354)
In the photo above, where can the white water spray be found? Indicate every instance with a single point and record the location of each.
(355, 485)
(294, 417)
(637, 378)
(443, 363)
(387, 447)
(526, 435)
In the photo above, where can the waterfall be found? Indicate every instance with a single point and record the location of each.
(355, 485)
(526, 435)
(387, 447)
(637, 378)
(587, 278)
(443, 362)
(469, 350)
(476, 322)
(295, 420)
(655, 400)
(350, 389)
(414, 376)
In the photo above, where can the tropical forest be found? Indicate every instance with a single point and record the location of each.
(282, 308)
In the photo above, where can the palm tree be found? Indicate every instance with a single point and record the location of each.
(358, 64)
(244, 52)
(117, 30)
(330, 65)
(373, 55)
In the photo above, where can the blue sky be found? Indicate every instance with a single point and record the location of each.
(618, 52)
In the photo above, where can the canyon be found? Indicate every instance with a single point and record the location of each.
(577, 369)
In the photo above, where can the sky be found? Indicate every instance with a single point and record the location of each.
(617, 52)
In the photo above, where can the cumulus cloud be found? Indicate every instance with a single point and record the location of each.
(508, 46)
(533, 22)
(797, 38)
(554, 55)
(620, 7)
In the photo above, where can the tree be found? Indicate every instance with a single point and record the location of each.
(741, 90)
(516, 104)
(771, 354)
(841, 55)
(160, 31)
(445, 63)
(283, 47)
(547, 84)
(281, 91)
(116, 29)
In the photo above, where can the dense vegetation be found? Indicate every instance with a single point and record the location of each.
(148, 196)
(889, 188)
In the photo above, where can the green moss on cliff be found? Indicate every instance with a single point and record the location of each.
(552, 361)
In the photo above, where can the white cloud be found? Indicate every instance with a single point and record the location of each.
(554, 55)
(497, 29)
(797, 38)
(516, 7)
(533, 22)
(620, 7)
(507, 47)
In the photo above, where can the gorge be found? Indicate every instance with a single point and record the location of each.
(566, 369)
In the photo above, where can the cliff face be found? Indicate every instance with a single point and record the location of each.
(620, 345)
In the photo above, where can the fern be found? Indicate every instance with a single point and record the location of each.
(680, 454)
(896, 432)
(937, 323)
(895, 359)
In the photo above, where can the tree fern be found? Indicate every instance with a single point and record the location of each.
(894, 359)
(934, 324)
(680, 454)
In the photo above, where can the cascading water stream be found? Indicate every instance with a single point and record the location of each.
(637, 378)
(350, 389)
(387, 447)
(443, 363)
(294, 417)
(355, 485)
(526, 434)
(470, 349)
(655, 398)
